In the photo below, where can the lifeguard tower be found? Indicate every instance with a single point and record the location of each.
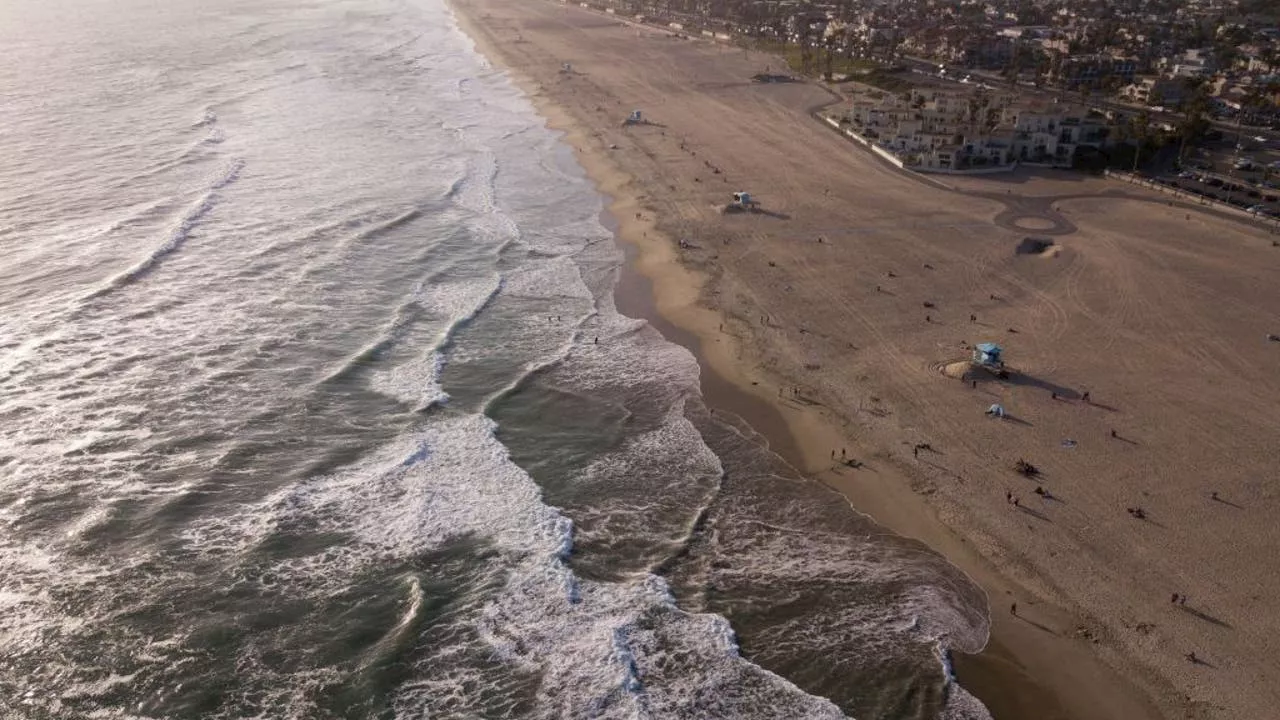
(988, 355)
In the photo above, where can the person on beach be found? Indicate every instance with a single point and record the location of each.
(1113, 432)
(1013, 608)
(1085, 397)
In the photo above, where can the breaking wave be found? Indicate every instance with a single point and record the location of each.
(177, 235)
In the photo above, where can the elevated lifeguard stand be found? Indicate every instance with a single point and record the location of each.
(988, 355)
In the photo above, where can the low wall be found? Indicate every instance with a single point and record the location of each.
(970, 171)
(849, 133)
(885, 154)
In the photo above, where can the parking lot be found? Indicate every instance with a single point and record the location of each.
(1241, 171)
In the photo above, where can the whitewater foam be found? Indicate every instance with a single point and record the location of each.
(373, 438)
(177, 235)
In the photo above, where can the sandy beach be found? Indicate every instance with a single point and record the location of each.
(830, 318)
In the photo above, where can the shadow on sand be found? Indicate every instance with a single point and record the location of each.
(1024, 380)
(1205, 616)
(1035, 624)
(1034, 513)
(773, 214)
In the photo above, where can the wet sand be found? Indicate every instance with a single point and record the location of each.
(1160, 313)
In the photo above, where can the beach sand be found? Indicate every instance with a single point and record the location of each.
(810, 320)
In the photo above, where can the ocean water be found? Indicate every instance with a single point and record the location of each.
(314, 403)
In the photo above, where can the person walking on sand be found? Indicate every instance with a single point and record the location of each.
(1013, 609)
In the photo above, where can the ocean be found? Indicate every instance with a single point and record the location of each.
(315, 403)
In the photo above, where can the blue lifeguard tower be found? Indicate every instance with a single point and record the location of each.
(988, 355)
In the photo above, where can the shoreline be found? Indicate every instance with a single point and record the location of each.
(651, 270)
(1028, 669)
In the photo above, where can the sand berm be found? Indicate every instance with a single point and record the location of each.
(817, 308)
